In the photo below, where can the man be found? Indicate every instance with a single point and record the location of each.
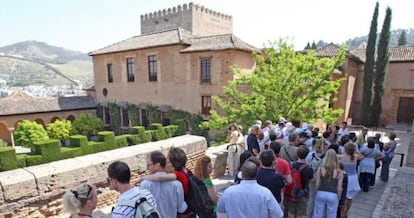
(343, 131)
(289, 152)
(362, 137)
(282, 166)
(252, 143)
(268, 177)
(119, 176)
(168, 194)
(249, 199)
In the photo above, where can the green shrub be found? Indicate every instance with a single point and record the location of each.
(159, 132)
(170, 130)
(28, 132)
(60, 129)
(133, 139)
(70, 152)
(3, 143)
(21, 160)
(121, 141)
(149, 136)
(7, 158)
(109, 138)
(32, 160)
(49, 149)
(87, 125)
(78, 141)
(144, 135)
(95, 147)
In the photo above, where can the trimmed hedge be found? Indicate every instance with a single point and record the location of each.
(34, 159)
(21, 160)
(70, 152)
(7, 159)
(78, 140)
(159, 132)
(170, 130)
(49, 149)
(121, 141)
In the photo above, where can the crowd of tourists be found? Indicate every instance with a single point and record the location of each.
(279, 171)
(309, 173)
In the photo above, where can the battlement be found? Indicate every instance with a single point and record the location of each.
(190, 17)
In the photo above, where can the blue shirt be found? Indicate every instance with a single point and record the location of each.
(272, 180)
(252, 143)
(247, 200)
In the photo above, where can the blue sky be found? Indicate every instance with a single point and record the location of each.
(87, 25)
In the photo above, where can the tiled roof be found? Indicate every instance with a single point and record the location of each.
(22, 103)
(217, 43)
(330, 50)
(178, 36)
(167, 37)
(397, 54)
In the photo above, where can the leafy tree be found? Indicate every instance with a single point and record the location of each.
(87, 125)
(3, 143)
(60, 129)
(369, 69)
(307, 47)
(314, 45)
(403, 38)
(29, 132)
(294, 85)
(381, 68)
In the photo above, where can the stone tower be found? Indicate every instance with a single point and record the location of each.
(197, 19)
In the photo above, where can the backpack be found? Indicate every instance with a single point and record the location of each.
(198, 199)
(143, 209)
(294, 191)
(315, 162)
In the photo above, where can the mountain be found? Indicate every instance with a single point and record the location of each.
(34, 60)
(395, 35)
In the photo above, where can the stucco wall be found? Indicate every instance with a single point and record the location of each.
(36, 191)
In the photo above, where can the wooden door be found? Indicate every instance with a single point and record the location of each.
(405, 110)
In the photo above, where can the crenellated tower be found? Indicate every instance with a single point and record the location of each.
(193, 17)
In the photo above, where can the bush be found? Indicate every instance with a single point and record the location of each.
(60, 129)
(7, 159)
(121, 141)
(3, 143)
(49, 149)
(78, 141)
(159, 132)
(28, 132)
(87, 125)
(170, 130)
(21, 160)
(109, 138)
(32, 160)
(144, 135)
(66, 152)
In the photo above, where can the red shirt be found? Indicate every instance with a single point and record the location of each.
(282, 167)
(184, 181)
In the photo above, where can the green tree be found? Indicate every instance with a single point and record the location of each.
(3, 143)
(87, 125)
(369, 69)
(381, 68)
(29, 132)
(60, 129)
(314, 45)
(307, 47)
(294, 85)
(403, 39)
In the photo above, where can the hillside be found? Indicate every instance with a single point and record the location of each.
(395, 35)
(72, 64)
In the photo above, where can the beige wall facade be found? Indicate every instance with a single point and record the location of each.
(178, 76)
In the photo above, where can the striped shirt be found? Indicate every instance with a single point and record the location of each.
(132, 194)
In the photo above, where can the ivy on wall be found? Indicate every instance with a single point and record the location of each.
(99, 111)
(154, 114)
(114, 111)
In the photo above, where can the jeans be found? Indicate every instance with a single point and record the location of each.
(385, 169)
(325, 199)
(365, 181)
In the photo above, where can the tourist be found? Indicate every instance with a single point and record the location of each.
(252, 143)
(232, 149)
(361, 139)
(268, 177)
(342, 200)
(81, 201)
(349, 161)
(367, 164)
(249, 199)
(168, 194)
(119, 176)
(202, 170)
(289, 152)
(343, 131)
(298, 207)
(328, 180)
(282, 166)
(243, 157)
(389, 149)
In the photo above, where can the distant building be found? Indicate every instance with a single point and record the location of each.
(21, 106)
(182, 58)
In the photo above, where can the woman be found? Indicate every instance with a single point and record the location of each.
(243, 157)
(81, 201)
(203, 170)
(328, 180)
(233, 149)
(349, 161)
(367, 164)
(389, 154)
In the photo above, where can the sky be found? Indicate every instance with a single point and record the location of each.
(87, 25)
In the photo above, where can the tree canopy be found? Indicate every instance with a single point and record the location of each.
(285, 83)
(403, 39)
(29, 132)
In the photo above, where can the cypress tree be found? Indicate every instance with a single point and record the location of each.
(381, 68)
(403, 39)
(314, 45)
(369, 69)
(307, 46)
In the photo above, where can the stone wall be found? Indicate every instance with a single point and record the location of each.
(36, 191)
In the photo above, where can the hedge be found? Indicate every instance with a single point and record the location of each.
(7, 158)
(78, 140)
(159, 132)
(121, 141)
(49, 149)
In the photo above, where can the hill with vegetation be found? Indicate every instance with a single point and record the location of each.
(395, 35)
(16, 72)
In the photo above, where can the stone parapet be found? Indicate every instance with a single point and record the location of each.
(36, 191)
(218, 157)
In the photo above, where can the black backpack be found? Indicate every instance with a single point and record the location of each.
(198, 199)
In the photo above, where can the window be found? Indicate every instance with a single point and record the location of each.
(130, 70)
(109, 72)
(125, 118)
(152, 67)
(107, 116)
(206, 70)
(205, 105)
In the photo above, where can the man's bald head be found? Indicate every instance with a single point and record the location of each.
(249, 168)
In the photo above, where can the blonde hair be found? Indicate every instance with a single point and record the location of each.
(350, 149)
(319, 145)
(330, 163)
(200, 169)
(76, 198)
